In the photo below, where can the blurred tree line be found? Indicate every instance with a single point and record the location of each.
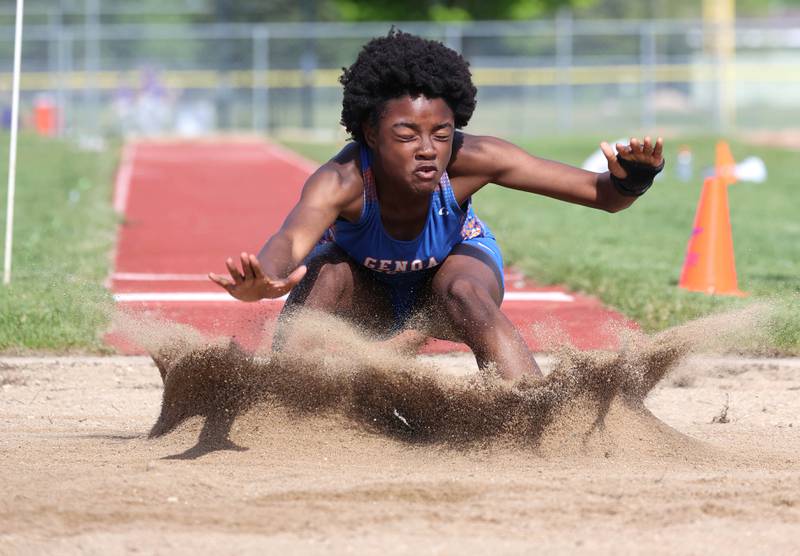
(470, 10)
(207, 11)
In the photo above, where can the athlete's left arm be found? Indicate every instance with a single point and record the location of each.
(482, 160)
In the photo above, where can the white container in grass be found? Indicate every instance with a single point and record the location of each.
(597, 161)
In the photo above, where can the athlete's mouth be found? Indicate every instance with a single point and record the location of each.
(426, 171)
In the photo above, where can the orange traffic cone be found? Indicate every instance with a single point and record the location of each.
(725, 165)
(709, 266)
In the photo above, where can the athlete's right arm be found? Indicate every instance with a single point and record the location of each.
(277, 269)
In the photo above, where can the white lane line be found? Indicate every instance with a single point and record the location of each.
(179, 297)
(558, 297)
(153, 277)
(538, 296)
(175, 277)
(122, 183)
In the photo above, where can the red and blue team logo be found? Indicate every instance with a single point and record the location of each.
(472, 228)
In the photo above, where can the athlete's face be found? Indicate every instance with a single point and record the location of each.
(413, 141)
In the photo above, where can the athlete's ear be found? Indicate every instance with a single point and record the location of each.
(370, 135)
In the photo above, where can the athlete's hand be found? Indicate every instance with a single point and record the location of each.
(645, 152)
(250, 284)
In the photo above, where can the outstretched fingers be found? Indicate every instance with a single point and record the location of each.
(613, 165)
(255, 266)
(636, 146)
(247, 268)
(658, 149)
(609, 153)
(648, 146)
(237, 276)
(285, 285)
(251, 283)
(644, 152)
(296, 275)
(623, 149)
(222, 281)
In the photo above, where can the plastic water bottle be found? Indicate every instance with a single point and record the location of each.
(684, 165)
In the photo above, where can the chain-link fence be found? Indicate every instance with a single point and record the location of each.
(542, 77)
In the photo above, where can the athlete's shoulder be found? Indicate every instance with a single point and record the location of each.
(338, 183)
(341, 175)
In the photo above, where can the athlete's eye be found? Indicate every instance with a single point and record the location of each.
(442, 137)
(406, 137)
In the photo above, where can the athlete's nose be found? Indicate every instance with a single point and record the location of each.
(426, 150)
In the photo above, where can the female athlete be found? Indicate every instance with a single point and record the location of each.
(385, 234)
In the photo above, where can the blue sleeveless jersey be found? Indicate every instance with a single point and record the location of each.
(399, 262)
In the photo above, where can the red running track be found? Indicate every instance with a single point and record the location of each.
(188, 205)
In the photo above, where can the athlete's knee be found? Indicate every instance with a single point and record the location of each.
(324, 286)
(325, 272)
(467, 298)
(335, 273)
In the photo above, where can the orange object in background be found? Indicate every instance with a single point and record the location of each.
(709, 266)
(45, 117)
(725, 165)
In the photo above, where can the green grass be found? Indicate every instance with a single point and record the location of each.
(64, 230)
(632, 259)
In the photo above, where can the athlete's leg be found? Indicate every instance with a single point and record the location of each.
(467, 290)
(407, 341)
(335, 284)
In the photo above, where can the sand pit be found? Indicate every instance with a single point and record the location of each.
(360, 450)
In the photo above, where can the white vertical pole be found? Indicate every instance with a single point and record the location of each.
(12, 147)
(565, 40)
(260, 98)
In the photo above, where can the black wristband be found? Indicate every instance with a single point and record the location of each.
(639, 179)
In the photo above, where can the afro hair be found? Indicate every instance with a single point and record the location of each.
(403, 64)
